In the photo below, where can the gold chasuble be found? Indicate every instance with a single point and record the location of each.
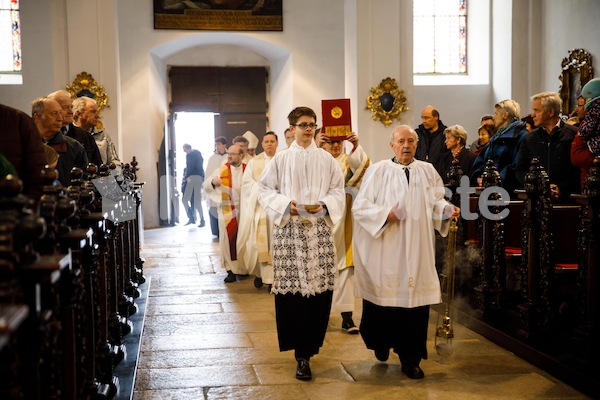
(352, 180)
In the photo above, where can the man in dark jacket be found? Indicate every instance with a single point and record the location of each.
(48, 117)
(194, 177)
(551, 144)
(431, 146)
(63, 98)
(22, 146)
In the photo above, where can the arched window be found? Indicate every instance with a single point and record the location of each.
(10, 42)
(440, 36)
(451, 42)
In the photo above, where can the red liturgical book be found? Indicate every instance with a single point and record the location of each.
(337, 123)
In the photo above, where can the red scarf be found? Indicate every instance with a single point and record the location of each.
(228, 208)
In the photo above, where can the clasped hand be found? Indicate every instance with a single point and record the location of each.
(303, 212)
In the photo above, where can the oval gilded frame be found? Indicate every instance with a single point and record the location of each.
(387, 87)
(85, 85)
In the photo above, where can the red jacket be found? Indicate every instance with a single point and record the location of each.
(22, 145)
(581, 157)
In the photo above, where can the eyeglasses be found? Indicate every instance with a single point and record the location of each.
(305, 126)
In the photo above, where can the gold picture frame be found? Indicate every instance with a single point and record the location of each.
(577, 70)
(85, 85)
(387, 101)
(219, 15)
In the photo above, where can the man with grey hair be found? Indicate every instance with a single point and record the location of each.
(72, 129)
(551, 144)
(87, 117)
(396, 212)
(48, 117)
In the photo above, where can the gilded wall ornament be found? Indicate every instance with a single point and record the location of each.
(387, 101)
(85, 85)
(577, 70)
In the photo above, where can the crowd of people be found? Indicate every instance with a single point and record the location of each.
(320, 225)
(60, 132)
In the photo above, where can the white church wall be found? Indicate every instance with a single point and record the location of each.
(328, 49)
(313, 38)
(567, 25)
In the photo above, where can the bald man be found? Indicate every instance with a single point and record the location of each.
(431, 146)
(48, 117)
(69, 128)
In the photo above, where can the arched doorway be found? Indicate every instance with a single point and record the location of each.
(217, 49)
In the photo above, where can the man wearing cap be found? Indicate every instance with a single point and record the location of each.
(252, 143)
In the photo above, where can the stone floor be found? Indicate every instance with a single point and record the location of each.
(204, 339)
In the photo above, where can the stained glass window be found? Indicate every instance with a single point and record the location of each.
(10, 36)
(440, 36)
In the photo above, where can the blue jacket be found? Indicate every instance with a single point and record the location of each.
(502, 148)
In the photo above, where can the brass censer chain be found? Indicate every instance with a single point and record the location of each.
(445, 329)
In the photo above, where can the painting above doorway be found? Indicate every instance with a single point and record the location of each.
(219, 15)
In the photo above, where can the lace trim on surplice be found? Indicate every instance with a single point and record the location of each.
(303, 258)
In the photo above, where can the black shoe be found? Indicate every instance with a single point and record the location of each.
(382, 354)
(414, 372)
(190, 223)
(303, 370)
(348, 326)
(202, 223)
(231, 277)
(258, 282)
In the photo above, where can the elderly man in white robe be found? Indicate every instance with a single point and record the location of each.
(224, 186)
(302, 191)
(396, 212)
(255, 228)
(353, 166)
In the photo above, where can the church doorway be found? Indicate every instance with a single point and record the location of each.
(234, 98)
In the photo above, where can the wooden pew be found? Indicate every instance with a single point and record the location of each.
(71, 278)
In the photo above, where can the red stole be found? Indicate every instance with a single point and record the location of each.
(228, 208)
